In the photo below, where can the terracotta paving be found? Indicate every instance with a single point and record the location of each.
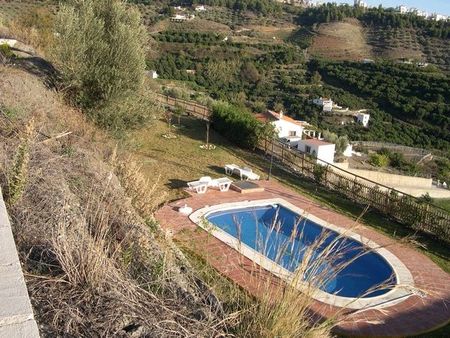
(416, 314)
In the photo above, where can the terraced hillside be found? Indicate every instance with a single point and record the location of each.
(344, 40)
(395, 43)
(10, 9)
(351, 40)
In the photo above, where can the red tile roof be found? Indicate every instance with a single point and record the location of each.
(273, 116)
(316, 142)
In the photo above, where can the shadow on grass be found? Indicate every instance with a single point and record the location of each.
(218, 170)
(175, 183)
(194, 129)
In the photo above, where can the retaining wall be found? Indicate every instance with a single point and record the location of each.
(16, 313)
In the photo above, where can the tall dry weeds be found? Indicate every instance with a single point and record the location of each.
(284, 308)
(145, 197)
(17, 174)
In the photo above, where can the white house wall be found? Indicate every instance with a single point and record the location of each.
(284, 128)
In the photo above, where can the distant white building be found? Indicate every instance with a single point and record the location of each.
(285, 126)
(182, 17)
(152, 74)
(402, 9)
(348, 152)
(363, 119)
(325, 103)
(361, 3)
(438, 17)
(200, 8)
(323, 151)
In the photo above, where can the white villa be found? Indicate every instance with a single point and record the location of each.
(363, 118)
(323, 151)
(325, 103)
(284, 125)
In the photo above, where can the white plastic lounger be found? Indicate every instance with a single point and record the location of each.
(223, 183)
(245, 172)
(201, 185)
(249, 175)
(230, 168)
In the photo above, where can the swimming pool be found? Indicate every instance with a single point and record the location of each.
(277, 235)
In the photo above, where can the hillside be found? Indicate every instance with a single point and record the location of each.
(352, 40)
(76, 227)
(345, 40)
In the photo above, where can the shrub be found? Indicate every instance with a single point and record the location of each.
(100, 51)
(379, 160)
(237, 124)
(18, 174)
(6, 51)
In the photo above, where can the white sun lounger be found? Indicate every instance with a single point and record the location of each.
(245, 172)
(223, 183)
(202, 185)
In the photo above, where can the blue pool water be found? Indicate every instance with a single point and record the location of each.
(283, 237)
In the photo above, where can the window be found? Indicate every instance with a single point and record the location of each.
(308, 149)
(292, 133)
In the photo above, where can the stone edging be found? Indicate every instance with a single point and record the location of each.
(402, 291)
(16, 313)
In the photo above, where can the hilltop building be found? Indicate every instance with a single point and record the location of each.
(361, 3)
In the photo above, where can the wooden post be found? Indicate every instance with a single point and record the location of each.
(207, 134)
(303, 164)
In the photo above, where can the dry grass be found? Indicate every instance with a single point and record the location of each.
(93, 265)
(283, 309)
(342, 41)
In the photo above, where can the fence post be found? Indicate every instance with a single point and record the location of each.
(303, 164)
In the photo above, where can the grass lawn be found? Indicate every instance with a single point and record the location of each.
(444, 203)
(170, 163)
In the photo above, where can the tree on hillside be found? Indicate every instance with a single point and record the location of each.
(99, 50)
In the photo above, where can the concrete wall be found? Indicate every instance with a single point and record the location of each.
(392, 180)
(16, 314)
(10, 42)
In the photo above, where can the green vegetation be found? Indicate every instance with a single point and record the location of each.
(379, 160)
(189, 37)
(374, 16)
(5, 51)
(405, 93)
(100, 51)
(237, 124)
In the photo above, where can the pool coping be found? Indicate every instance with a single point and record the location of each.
(402, 290)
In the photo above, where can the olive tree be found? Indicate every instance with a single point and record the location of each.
(100, 51)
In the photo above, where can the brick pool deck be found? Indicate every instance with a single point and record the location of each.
(427, 310)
